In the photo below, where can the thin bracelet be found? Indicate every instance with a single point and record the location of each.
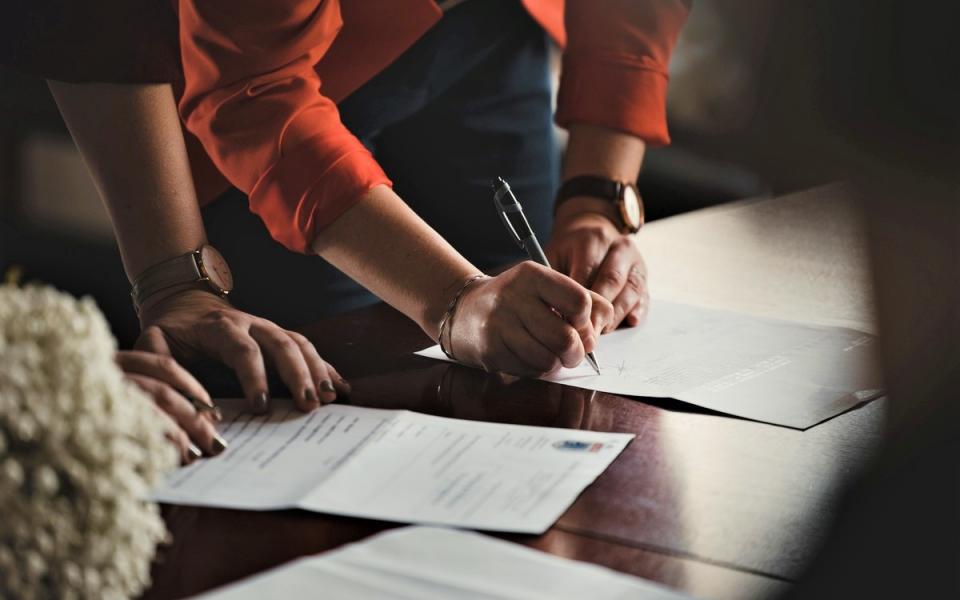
(451, 307)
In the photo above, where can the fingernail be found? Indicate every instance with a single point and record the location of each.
(261, 403)
(345, 384)
(219, 444)
(311, 396)
(327, 386)
(194, 452)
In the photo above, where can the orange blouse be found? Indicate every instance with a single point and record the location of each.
(262, 79)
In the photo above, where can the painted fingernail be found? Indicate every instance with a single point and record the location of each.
(311, 396)
(219, 444)
(261, 403)
(345, 384)
(194, 452)
(327, 386)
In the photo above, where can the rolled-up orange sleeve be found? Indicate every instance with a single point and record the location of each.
(615, 64)
(253, 98)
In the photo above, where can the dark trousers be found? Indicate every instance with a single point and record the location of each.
(471, 100)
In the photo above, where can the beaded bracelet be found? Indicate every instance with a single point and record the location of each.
(451, 308)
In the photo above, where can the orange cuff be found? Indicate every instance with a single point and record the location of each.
(615, 91)
(310, 187)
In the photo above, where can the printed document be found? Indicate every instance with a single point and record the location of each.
(396, 465)
(767, 370)
(430, 563)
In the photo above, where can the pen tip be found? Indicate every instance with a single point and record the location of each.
(593, 362)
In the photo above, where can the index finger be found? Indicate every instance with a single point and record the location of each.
(241, 353)
(612, 276)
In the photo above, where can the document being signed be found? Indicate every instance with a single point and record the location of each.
(430, 563)
(396, 466)
(763, 369)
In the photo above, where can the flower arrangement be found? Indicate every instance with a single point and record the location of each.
(80, 451)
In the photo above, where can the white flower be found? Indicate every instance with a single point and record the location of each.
(80, 447)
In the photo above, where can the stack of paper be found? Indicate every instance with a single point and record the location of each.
(763, 369)
(396, 466)
(426, 563)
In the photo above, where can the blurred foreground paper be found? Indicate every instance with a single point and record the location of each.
(396, 465)
(432, 564)
(767, 370)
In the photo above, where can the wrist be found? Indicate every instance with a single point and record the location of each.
(438, 307)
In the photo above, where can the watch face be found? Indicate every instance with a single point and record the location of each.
(631, 208)
(216, 269)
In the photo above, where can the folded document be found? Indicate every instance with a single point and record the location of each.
(398, 466)
(762, 369)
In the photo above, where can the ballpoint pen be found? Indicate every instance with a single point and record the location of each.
(511, 213)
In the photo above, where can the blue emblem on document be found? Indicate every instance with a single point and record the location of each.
(578, 446)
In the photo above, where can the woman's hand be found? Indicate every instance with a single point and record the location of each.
(512, 323)
(192, 431)
(590, 249)
(194, 324)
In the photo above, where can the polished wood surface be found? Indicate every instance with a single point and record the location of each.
(717, 506)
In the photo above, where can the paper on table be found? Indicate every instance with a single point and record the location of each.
(762, 369)
(398, 466)
(436, 564)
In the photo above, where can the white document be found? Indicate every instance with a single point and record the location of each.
(398, 466)
(428, 563)
(762, 369)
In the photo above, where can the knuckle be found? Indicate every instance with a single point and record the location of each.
(591, 266)
(581, 301)
(220, 318)
(286, 345)
(611, 276)
(527, 267)
(299, 338)
(246, 348)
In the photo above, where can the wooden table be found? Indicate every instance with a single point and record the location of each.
(713, 505)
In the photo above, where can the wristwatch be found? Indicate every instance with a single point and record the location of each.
(205, 268)
(622, 194)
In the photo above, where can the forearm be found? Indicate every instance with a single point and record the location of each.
(599, 151)
(131, 141)
(382, 244)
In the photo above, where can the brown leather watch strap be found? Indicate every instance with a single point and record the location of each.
(591, 186)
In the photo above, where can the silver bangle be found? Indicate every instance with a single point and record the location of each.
(451, 308)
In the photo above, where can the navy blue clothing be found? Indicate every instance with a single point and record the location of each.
(471, 100)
